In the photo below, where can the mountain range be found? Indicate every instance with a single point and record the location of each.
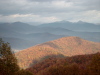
(76, 26)
(66, 46)
(22, 35)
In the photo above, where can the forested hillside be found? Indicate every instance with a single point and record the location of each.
(75, 65)
(67, 46)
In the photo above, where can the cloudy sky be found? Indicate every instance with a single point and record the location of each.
(49, 10)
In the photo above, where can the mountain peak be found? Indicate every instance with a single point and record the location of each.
(67, 46)
(64, 21)
(17, 22)
(71, 39)
(80, 22)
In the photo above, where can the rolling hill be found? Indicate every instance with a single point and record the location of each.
(67, 46)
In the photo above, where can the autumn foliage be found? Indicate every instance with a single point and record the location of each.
(67, 46)
(54, 64)
(75, 65)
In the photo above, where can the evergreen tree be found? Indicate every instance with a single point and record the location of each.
(8, 61)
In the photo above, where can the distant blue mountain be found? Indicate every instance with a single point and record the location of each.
(22, 35)
(75, 26)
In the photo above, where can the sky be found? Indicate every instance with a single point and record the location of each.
(46, 11)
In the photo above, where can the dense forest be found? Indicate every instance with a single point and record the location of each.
(75, 65)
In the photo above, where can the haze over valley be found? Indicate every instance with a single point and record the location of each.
(22, 35)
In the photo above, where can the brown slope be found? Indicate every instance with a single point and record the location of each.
(82, 61)
(67, 46)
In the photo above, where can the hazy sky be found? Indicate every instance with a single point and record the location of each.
(49, 10)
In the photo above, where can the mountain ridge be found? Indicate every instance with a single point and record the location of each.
(67, 46)
(37, 34)
(75, 26)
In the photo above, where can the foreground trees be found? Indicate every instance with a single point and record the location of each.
(8, 61)
(94, 66)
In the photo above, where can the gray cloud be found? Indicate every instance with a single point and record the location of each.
(49, 8)
(92, 4)
(45, 0)
(40, 0)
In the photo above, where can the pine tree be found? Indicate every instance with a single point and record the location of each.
(8, 61)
